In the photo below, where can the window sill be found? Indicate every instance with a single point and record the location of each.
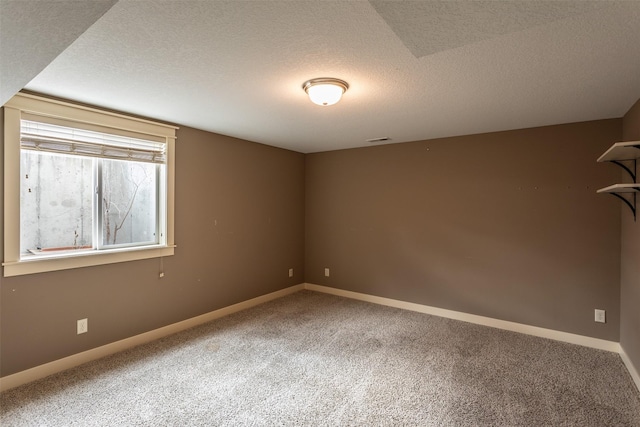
(42, 264)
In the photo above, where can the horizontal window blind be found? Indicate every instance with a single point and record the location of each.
(56, 139)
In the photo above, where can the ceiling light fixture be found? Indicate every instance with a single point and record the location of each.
(325, 91)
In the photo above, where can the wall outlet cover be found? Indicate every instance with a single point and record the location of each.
(83, 326)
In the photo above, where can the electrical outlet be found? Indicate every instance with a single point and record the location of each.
(326, 272)
(83, 326)
(600, 316)
(291, 272)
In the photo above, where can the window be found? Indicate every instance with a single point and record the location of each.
(66, 172)
(85, 187)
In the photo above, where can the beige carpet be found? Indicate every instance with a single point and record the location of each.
(320, 360)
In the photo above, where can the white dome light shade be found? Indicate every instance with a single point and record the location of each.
(325, 94)
(325, 91)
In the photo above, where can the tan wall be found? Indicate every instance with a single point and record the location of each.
(630, 259)
(506, 225)
(239, 228)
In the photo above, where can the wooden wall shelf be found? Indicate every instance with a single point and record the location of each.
(618, 153)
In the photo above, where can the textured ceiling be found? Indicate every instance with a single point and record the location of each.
(33, 33)
(428, 27)
(417, 70)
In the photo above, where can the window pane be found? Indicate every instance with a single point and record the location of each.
(129, 202)
(55, 202)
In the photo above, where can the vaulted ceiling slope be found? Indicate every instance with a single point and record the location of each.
(33, 33)
(417, 70)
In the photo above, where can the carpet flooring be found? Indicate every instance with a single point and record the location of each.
(311, 359)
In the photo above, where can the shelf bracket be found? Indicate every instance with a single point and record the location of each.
(627, 169)
(631, 205)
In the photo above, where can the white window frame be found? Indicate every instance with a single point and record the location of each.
(27, 104)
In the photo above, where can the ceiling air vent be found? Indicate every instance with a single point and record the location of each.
(376, 140)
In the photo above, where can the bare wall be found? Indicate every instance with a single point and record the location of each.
(239, 227)
(630, 258)
(506, 225)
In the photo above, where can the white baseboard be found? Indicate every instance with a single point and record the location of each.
(472, 318)
(23, 377)
(632, 369)
(56, 366)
